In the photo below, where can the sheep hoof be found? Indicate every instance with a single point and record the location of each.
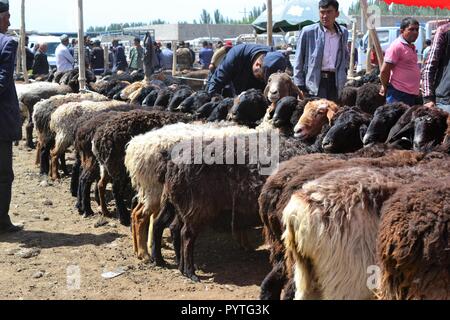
(159, 262)
(144, 257)
(194, 278)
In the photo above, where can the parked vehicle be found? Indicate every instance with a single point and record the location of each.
(278, 40)
(387, 35)
(52, 43)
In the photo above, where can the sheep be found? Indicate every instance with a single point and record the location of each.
(348, 96)
(248, 108)
(63, 124)
(368, 97)
(289, 178)
(351, 124)
(32, 93)
(194, 102)
(331, 226)
(146, 161)
(383, 120)
(87, 125)
(315, 115)
(413, 247)
(280, 85)
(221, 110)
(109, 148)
(419, 127)
(105, 86)
(41, 118)
(182, 93)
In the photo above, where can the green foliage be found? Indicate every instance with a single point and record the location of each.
(399, 10)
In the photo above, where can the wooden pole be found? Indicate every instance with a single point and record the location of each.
(269, 22)
(22, 44)
(81, 54)
(352, 51)
(369, 51)
(373, 34)
(174, 61)
(106, 56)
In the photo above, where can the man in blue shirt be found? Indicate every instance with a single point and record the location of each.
(10, 120)
(246, 66)
(205, 55)
(166, 57)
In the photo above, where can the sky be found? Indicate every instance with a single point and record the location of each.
(61, 15)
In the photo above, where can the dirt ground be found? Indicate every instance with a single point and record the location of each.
(61, 255)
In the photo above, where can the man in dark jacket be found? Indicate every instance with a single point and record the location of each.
(97, 58)
(29, 54)
(119, 57)
(246, 66)
(40, 65)
(10, 122)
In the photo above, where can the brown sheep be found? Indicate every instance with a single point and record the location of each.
(289, 178)
(413, 246)
(316, 114)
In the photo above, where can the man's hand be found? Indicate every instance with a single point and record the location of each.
(430, 104)
(382, 91)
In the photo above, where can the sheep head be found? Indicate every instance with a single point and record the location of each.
(316, 114)
(280, 85)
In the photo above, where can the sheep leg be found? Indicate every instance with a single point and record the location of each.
(74, 181)
(29, 134)
(54, 165)
(138, 207)
(80, 192)
(44, 159)
(96, 194)
(38, 153)
(62, 161)
(141, 221)
(273, 283)
(101, 185)
(124, 215)
(289, 290)
(188, 236)
(175, 231)
(163, 221)
(89, 177)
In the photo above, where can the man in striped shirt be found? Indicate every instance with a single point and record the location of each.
(436, 72)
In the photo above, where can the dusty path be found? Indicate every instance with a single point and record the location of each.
(68, 252)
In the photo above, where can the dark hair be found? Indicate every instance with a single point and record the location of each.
(205, 43)
(407, 22)
(428, 42)
(137, 39)
(326, 3)
(169, 45)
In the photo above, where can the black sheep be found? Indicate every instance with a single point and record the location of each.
(221, 110)
(205, 110)
(193, 102)
(383, 120)
(164, 96)
(348, 96)
(249, 107)
(347, 129)
(368, 97)
(109, 148)
(150, 99)
(178, 97)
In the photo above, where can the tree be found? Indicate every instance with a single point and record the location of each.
(218, 18)
(205, 17)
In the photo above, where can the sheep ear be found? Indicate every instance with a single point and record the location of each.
(295, 91)
(362, 131)
(332, 109)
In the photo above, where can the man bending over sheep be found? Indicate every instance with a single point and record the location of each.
(246, 66)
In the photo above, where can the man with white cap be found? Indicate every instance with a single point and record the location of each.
(64, 60)
(10, 119)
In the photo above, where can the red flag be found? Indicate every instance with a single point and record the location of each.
(443, 4)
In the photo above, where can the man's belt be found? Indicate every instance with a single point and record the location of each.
(327, 74)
